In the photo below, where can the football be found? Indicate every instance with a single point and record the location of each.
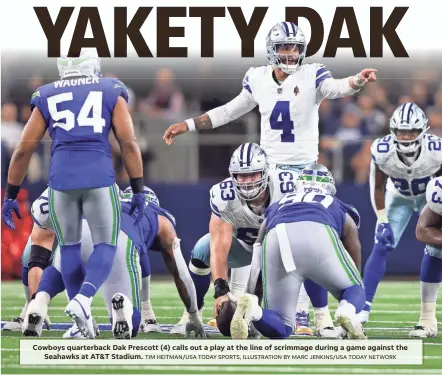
(225, 316)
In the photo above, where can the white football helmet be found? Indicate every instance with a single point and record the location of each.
(408, 117)
(150, 194)
(316, 178)
(286, 35)
(87, 64)
(247, 159)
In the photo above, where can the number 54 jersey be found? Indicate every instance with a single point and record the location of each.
(78, 115)
(225, 203)
(408, 181)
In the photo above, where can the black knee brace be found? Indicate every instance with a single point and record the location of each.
(40, 257)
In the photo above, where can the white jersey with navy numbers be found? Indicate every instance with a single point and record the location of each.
(225, 203)
(408, 181)
(289, 112)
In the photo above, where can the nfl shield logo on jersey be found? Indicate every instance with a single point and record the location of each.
(296, 90)
(279, 90)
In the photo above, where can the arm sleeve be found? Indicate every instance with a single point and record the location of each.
(234, 109)
(329, 87)
(36, 100)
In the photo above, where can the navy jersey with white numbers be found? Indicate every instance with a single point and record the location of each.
(319, 208)
(143, 234)
(78, 116)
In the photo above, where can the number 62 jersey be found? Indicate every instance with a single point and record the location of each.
(225, 203)
(408, 181)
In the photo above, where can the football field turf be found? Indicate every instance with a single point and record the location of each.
(395, 311)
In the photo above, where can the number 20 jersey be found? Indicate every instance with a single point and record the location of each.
(289, 112)
(408, 182)
(225, 203)
(78, 116)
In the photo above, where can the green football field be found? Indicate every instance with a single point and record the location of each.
(395, 311)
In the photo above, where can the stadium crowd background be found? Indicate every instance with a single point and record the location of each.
(162, 93)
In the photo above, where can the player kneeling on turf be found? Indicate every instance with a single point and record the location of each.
(310, 235)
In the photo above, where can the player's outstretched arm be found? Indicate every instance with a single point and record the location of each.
(378, 180)
(428, 229)
(214, 118)
(124, 132)
(42, 242)
(350, 239)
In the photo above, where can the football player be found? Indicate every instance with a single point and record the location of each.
(428, 231)
(238, 204)
(288, 93)
(79, 110)
(403, 163)
(122, 289)
(310, 235)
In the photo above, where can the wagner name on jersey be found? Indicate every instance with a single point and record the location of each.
(408, 181)
(225, 203)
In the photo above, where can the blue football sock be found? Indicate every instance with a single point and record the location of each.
(72, 268)
(51, 282)
(145, 265)
(136, 320)
(355, 295)
(318, 295)
(202, 284)
(272, 326)
(374, 271)
(98, 268)
(431, 269)
(24, 275)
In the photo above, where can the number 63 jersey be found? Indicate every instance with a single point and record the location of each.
(408, 181)
(78, 115)
(225, 203)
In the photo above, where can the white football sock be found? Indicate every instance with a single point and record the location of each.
(145, 288)
(303, 300)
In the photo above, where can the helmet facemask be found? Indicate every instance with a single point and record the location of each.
(288, 56)
(250, 190)
(409, 146)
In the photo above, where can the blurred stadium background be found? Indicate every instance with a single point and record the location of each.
(163, 92)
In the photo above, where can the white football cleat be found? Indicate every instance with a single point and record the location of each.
(424, 328)
(150, 325)
(180, 327)
(324, 324)
(327, 332)
(35, 316)
(122, 311)
(14, 325)
(239, 327)
(363, 316)
(346, 317)
(75, 333)
(79, 309)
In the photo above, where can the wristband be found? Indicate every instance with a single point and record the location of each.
(137, 185)
(382, 216)
(358, 81)
(221, 288)
(190, 124)
(12, 191)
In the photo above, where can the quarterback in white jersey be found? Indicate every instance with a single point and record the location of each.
(428, 231)
(403, 162)
(238, 204)
(288, 92)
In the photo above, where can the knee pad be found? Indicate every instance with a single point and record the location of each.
(40, 257)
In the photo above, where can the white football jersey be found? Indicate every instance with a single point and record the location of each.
(408, 181)
(226, 204)
(434, 195)
(289, 112)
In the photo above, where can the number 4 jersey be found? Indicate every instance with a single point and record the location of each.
(408, 181)
(78, 116)
(226, 204)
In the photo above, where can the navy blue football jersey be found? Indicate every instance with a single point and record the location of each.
(143, 234)
(319, 208)
(78, 116)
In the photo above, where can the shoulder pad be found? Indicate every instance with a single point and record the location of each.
(220, 196)
(121, 88)
(433, 143)
(381, 149)
(40, 211)
(322, 73)
(434, 195)
(351, 210)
